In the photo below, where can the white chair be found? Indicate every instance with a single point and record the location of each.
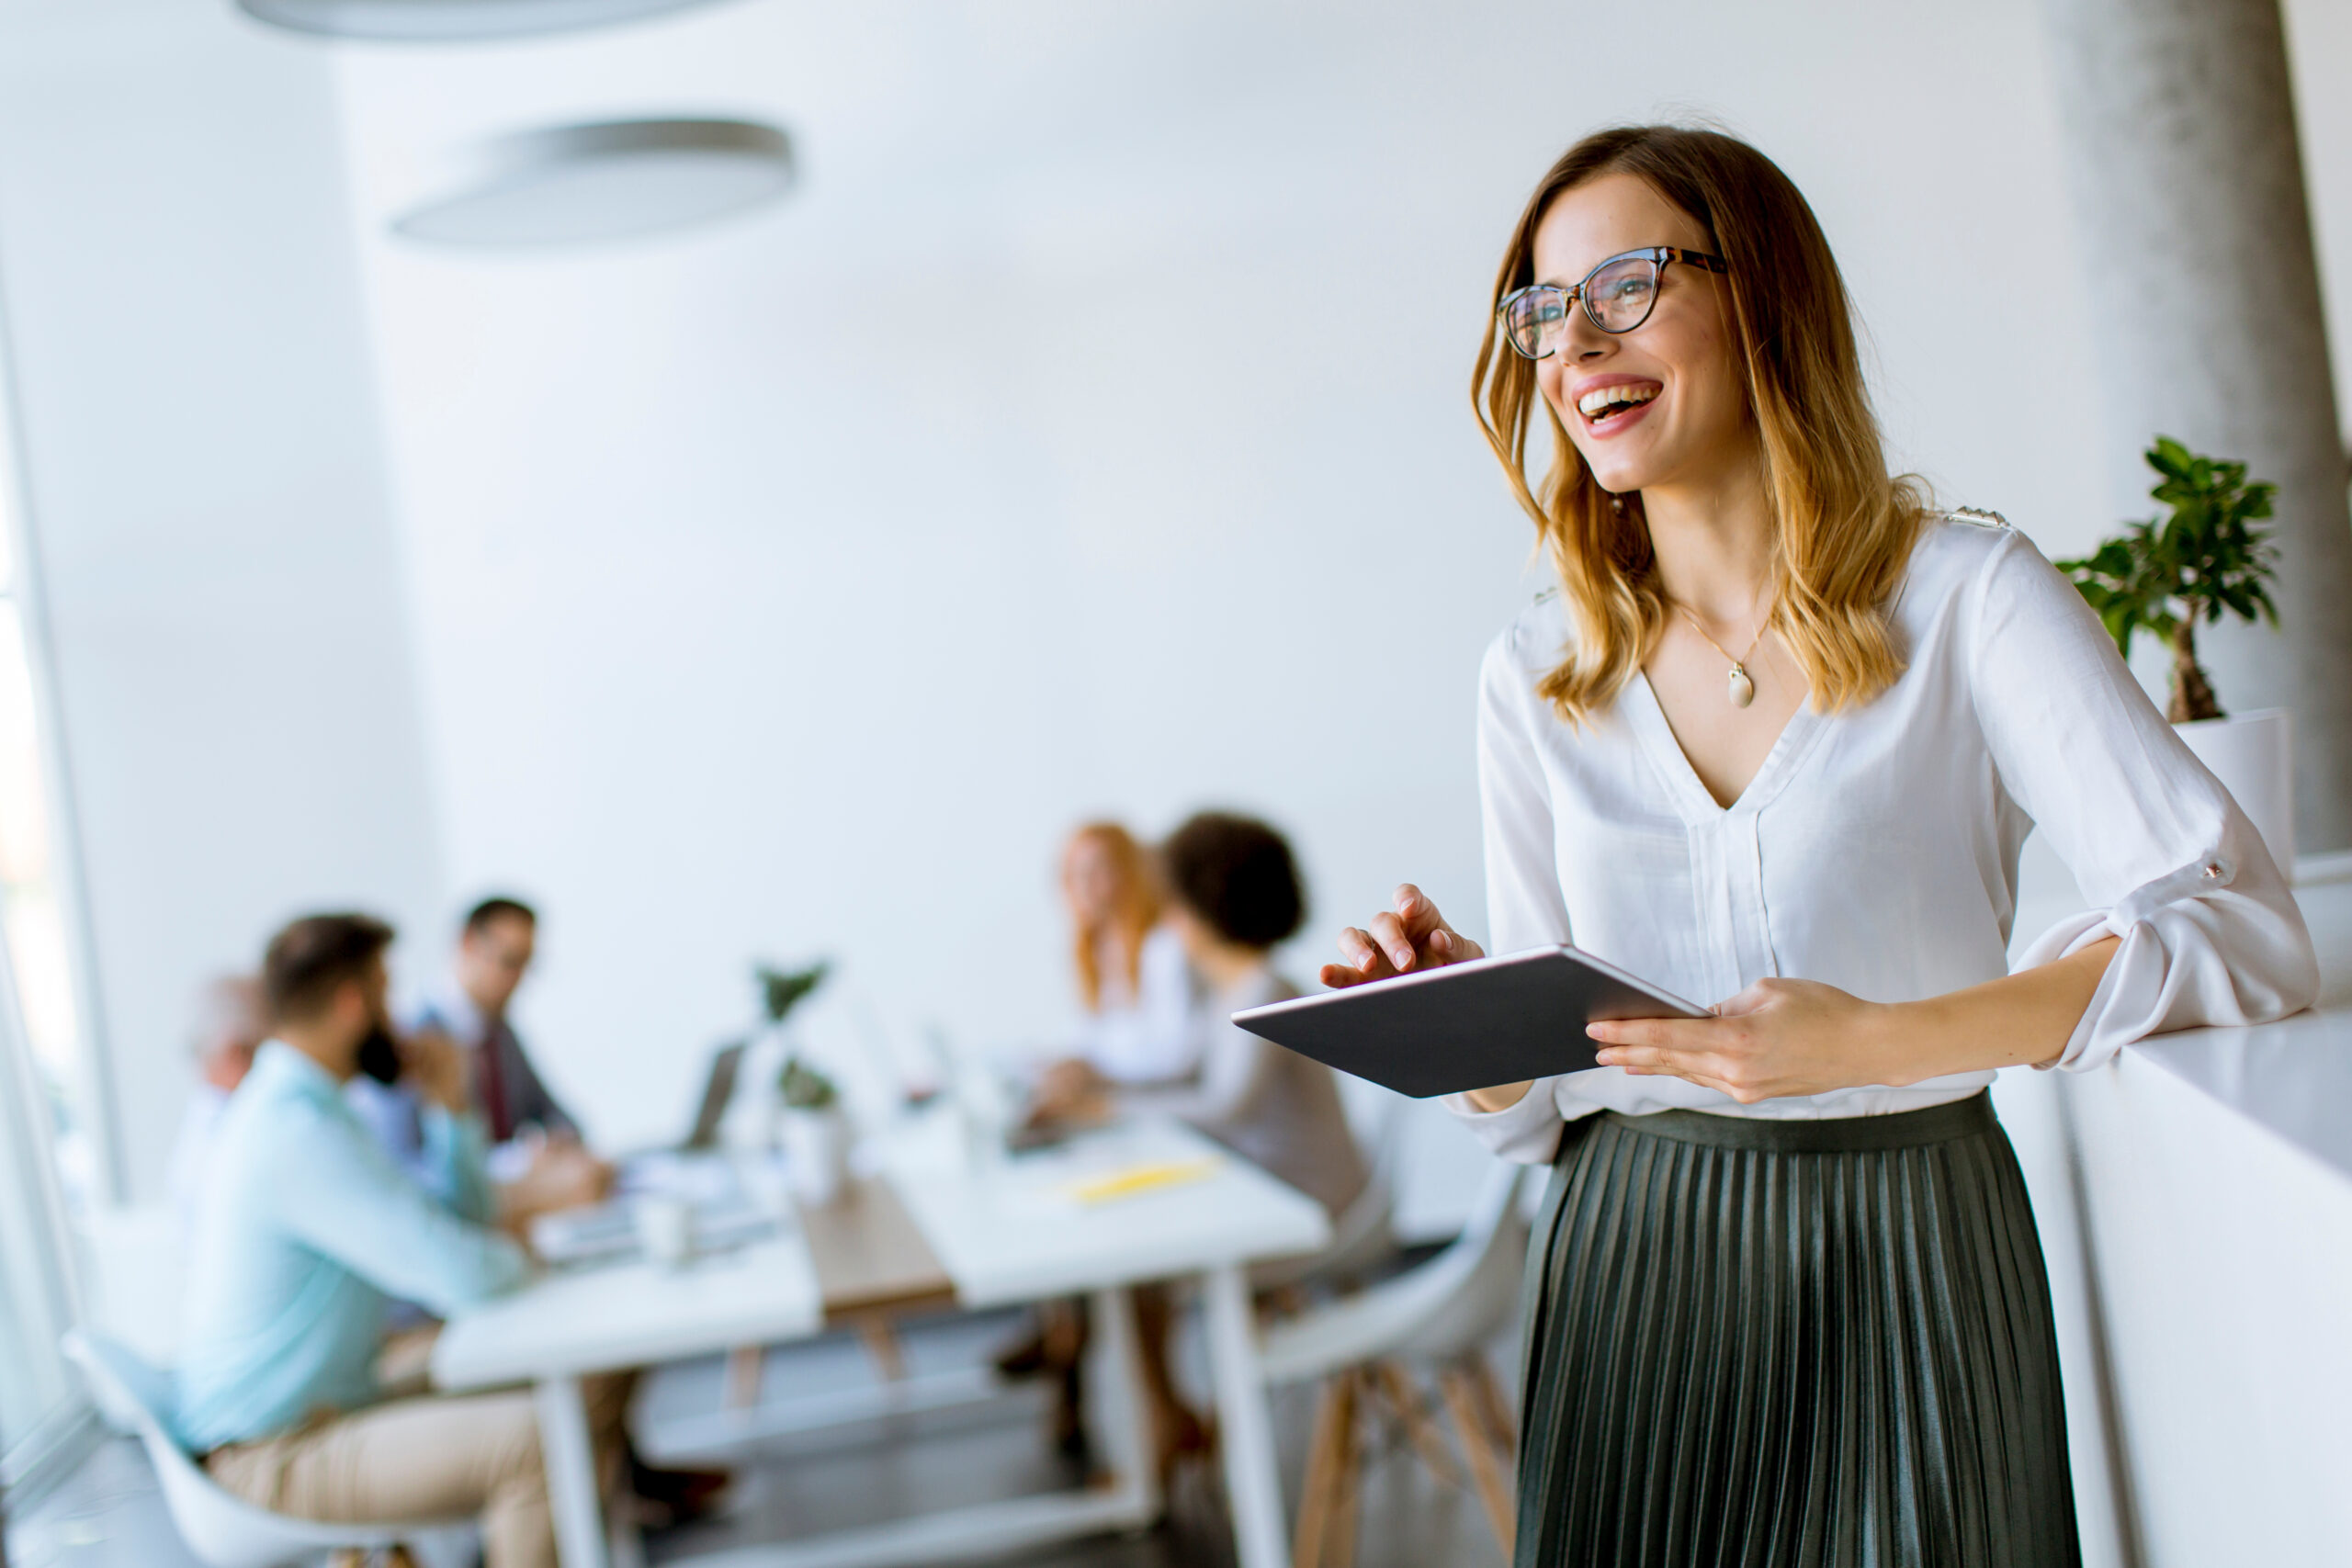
(1362, 1235)
(1364, 1348)
(222, 1530)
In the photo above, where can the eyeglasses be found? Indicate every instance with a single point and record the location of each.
(1617, 296)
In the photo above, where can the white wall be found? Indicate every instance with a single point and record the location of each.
(206, 490)
(1089, 435)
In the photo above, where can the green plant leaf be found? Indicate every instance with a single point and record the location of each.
(781, 990)
(2203, 560)
(804, 1088)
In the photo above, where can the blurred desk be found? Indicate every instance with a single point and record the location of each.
(1110, 1210)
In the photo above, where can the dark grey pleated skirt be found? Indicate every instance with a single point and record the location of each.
(1792, 1344)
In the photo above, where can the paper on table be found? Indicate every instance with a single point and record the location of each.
(1148, 1176)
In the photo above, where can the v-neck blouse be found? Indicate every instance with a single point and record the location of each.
(1876, 849)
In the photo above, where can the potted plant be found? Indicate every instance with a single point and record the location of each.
(816, 1133)
(2204, 560)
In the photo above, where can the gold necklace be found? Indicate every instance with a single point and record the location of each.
(1743, 689)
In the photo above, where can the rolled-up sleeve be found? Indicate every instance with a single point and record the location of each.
(343, 1196)
(2166, 860)
(1525, 907)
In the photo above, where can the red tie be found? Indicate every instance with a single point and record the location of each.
(494, 1089)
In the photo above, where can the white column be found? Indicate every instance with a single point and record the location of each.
(2199, 271)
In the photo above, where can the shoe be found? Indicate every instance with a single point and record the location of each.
(674, 1497)
(1025, 1357)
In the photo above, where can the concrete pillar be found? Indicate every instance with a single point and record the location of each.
(2199, 275)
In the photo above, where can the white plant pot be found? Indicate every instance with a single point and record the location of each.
(2254, 756)
(816, 1154)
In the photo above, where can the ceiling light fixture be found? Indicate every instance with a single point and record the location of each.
(451, 21)
(610, 180)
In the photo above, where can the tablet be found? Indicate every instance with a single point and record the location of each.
(1491, 1020)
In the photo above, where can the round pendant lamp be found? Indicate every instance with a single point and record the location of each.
(450, 21)
(612, 180)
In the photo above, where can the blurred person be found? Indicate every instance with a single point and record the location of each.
(229, 1027)
(1140, 1002)
(306, 1230)
(1140, 1021)
(1237, 896)
(536, 1154)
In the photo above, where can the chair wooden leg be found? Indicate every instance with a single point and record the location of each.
(1477, 1447)
(1341, 1540)
(1427, 1441)
(882, 1344)
(746, 1370)
(1322, 1462)
(1490, 1395)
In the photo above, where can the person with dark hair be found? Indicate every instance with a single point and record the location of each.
(306, 1231)
(534, 1142)
(1235, 896)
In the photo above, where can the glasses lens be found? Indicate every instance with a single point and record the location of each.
(1621, 293)
(1531, 317)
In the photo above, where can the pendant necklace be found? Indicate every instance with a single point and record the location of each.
(1742, 688)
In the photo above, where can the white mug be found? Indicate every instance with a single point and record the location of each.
(665, 1228)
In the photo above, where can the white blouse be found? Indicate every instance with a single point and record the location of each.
(1156, 1031)
(1876, 849)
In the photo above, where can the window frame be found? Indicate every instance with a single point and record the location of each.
(34, 1460)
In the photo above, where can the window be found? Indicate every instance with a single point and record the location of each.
(48, 1156)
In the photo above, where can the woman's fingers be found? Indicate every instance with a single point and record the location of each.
(1395, 940)
(1672, 1034)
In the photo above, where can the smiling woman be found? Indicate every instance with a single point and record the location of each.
(1788, 1302)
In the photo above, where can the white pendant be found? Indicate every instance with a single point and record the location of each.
(1743, 689)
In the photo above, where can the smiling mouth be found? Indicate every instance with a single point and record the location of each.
(1603, 404)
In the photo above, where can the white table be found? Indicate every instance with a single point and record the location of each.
(1005, 1232)
(566, 1327)
(1012, 1233)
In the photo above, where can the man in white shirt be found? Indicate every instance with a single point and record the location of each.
(229, 1028)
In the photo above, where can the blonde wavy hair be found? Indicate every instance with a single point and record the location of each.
(1843, 527)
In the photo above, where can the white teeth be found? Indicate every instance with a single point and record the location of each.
(1598, 402)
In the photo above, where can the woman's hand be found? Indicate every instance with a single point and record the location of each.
(1414, 937)
(1070, 1091)
(1781, 1037)
(1778, 1037)
(435, 1068)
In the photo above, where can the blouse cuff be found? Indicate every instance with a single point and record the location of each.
(1527, 1132)
(2174, 968)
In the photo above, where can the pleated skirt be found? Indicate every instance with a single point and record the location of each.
(1792, 1344)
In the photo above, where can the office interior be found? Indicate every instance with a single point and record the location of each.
(751, 477)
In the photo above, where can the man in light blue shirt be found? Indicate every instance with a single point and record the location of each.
(304, 1230)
